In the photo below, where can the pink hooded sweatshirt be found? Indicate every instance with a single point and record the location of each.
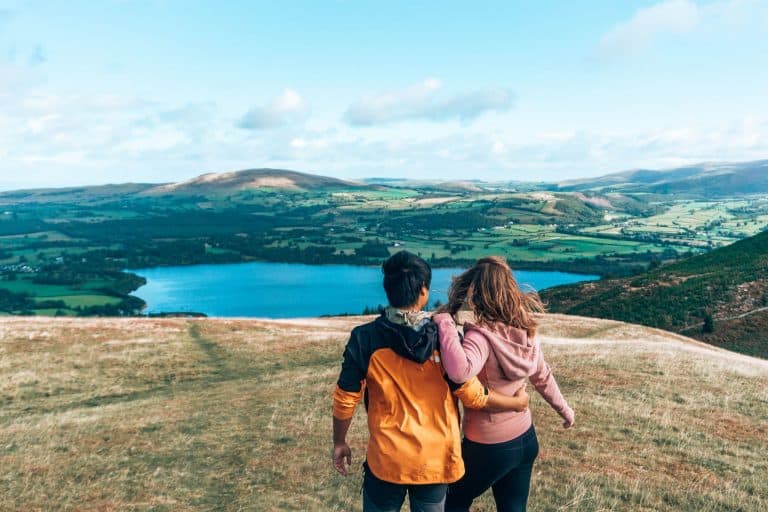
(502, 358)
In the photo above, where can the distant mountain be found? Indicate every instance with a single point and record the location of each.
(454, 186)
(701, 180)
(75, 194)
(713, 180)
(707, 179)
(228, 182)
(720, 297)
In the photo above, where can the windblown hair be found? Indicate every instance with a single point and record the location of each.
(491, 292)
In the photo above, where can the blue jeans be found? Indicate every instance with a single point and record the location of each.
(381, 496)
(505, 467)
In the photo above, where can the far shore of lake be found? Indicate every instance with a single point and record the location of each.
(291, 290)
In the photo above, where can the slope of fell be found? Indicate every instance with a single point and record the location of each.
(236, 181)
(726, 289)
(215, 414)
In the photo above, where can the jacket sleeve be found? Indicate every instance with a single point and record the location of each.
(544, 382)
(351, 384)
(345, 402)
(472, 394)
(461, 361)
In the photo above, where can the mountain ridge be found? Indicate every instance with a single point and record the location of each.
(707, 178)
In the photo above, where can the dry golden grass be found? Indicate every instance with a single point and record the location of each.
(178, 414)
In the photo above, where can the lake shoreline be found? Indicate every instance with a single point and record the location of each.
(291, 290)
(587, 266)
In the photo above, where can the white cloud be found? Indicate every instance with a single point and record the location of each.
(40, 103)
(670, 17)
(50, 139)
(161, 139)
(307, 143)
(38, 125)
(422, 101)
(65, 158)
(680, 18)
(288, 108)
(474, 153)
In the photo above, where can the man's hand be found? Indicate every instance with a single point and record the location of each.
(499, 403)
(522, 394)
(342, 458)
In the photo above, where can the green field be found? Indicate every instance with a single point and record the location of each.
(25, 285)
(694, 223)
(85, 299)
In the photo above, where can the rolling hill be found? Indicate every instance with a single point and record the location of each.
(179, 414)
(210, 184)
(701, 180)
(720, 297)
(236, 181)
(707, 180)
(81, 195)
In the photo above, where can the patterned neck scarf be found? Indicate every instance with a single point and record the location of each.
(413, 319)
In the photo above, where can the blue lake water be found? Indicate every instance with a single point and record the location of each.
(288, 290)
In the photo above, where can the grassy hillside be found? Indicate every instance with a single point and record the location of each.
(175, 414)
(720, 297)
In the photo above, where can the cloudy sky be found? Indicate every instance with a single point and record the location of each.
(161, 90)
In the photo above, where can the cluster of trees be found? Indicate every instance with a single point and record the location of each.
(465, 220)
(19, 302)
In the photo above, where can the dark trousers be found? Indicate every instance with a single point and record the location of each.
(381, 496)
(505, 467)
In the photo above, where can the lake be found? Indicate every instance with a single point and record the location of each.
(289, 290)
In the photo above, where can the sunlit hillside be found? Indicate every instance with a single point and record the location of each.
(719, 297)
(179, 414)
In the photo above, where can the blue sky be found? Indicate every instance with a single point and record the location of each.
(163, 90)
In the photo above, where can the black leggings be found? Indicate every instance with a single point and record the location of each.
(506, 467)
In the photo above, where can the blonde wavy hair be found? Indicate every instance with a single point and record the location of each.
(490, 291)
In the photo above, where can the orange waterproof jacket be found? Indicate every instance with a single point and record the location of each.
(413, 418)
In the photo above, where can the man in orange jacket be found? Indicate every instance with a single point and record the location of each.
(393, 363)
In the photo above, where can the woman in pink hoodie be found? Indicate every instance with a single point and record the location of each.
(500, 347)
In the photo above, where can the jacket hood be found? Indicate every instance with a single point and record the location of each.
(516, 353)
(416, 345)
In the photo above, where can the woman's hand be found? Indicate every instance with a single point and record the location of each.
(569, 420)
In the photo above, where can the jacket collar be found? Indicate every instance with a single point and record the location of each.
(415, 344)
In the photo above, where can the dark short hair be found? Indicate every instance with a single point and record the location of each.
(404, 275)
